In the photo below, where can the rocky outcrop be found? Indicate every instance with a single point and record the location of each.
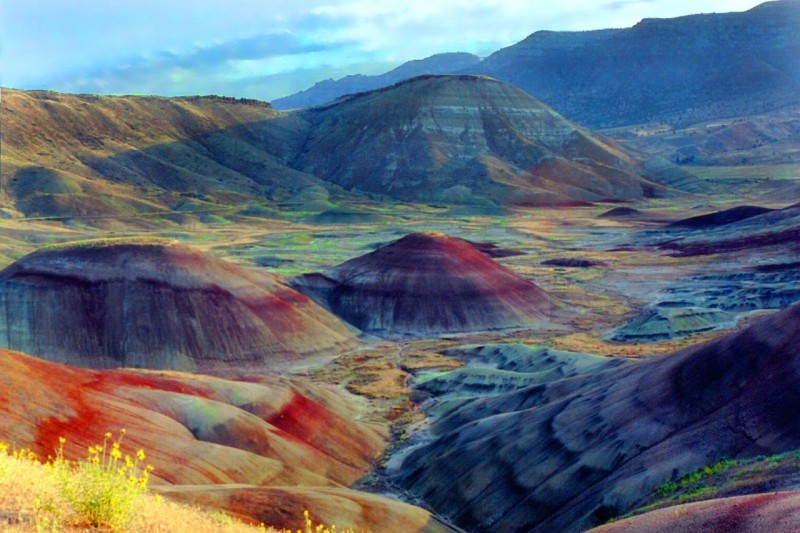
(157, 304)
(427, 284)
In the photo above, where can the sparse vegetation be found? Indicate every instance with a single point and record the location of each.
(107, 491)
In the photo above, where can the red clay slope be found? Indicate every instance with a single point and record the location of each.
(777, 512)
(208, 433)
(427, 284)
(157, 305)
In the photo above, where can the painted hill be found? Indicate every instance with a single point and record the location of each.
(570, 455)
(157, 304)
(329, 90)
(463, 139)
(455, 140)
(774, 231)
(271, 444)
(427, 284)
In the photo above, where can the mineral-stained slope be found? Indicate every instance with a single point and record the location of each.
(463, 138)
(454, 139)
(427, 284)
(574, 453)
(204, 434)
(158, 304)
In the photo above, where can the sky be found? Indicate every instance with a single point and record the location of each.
(266, 49)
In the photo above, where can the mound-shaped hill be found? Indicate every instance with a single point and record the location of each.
(457, 138)
(621, 212)
(208, 435)
(157, 304)
(574, 453)
(427, 284)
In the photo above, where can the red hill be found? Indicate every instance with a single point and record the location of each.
(156, 304)
(264, 448)
(428, 284)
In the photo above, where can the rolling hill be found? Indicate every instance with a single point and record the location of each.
(449, 139)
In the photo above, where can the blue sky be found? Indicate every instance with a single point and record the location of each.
(270, 48)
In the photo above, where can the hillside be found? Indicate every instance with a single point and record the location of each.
(262, 447)
(156, 304)
(468, 139)
(456, 140)
(101, 156)
(762, 139)
(572, 454)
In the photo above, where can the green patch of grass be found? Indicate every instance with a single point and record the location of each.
(781, 172)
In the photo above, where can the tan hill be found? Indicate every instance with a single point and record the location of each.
(101, 156)
(263, 446)
(574, 453)
(465, 139)
(428, 284)
(458, 140)
(157, 304)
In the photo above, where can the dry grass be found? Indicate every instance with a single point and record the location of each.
(53, 496)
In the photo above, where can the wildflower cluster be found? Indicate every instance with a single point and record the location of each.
(308, 526)
(104, 488)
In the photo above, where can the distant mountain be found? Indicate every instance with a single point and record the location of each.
(681, 70)
(329, 90)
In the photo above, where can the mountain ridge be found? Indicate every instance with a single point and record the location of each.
(714, 65)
